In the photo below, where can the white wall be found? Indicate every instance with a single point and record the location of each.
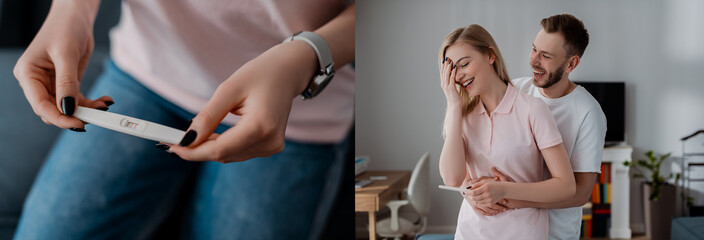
(655, 47)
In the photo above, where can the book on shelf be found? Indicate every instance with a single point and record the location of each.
(596, 214)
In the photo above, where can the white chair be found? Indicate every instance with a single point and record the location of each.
(409, 216)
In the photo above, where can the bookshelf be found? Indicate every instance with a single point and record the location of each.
(607, 212)
(620, 190)
(596, 215)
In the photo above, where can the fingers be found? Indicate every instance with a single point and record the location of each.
(244, 141)
(51, 115)
(475, 192)
(448, 70)
(450, 74)
(510, 203)
(256, 134)
(203, 152)
(67, 87)
(446, 73)
(493, 209)
(480, 193)
(480, 197)
(204, 124)
(481, 204)
(43, 104)
(500, 175)
(453, 72)
(476, 180)
(101, 103)
(476, 184)
(483, 211)
(497, 208)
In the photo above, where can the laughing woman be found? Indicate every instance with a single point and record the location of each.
(490, 124)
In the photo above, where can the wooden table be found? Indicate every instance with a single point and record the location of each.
(374, 196)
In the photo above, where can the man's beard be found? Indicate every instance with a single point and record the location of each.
(553, 77)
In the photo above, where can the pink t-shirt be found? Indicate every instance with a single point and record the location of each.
(510, 139)
(182, 50)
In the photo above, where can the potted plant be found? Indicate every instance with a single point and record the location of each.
(658, 195)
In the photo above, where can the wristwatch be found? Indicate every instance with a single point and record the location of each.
(326, 68)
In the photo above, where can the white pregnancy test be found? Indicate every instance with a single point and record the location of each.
(129, 125)
(452, 188)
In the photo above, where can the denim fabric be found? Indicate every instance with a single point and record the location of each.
(102, 184)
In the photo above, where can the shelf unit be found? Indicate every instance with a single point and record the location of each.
(687, 165)
(620, 190)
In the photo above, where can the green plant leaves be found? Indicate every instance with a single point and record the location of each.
(653, 164)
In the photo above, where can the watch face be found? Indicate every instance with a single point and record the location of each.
(317, 85)
(325, 82)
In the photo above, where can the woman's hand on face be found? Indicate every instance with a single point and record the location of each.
(447, 82)
(51, 68)
(487, 192)
(261, 92)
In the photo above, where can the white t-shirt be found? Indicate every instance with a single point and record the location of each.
(582, 125)
(183, 49)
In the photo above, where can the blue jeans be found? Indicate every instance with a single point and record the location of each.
(102, 184)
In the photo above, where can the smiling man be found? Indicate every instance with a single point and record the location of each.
(556, 52)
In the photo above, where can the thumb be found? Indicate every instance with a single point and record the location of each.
(204, 124)
(67, 86)
(500, 175)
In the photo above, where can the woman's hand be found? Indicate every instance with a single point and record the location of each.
(51, 68)
(261, 92)
(490, 210)
(487, 192)
(447, 82)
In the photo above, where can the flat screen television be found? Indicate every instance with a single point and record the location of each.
(611, 97)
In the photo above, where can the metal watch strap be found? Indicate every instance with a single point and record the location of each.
(325, 63)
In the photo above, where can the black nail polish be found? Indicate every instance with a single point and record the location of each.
(162, 146)
(468, 187)
(109, 103)
(103, 108)
(189, 138)
(68, 105)
(77, 129)
(444, 60)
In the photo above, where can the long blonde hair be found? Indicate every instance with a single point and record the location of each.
(481, 40)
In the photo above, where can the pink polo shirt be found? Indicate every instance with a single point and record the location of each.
(183, 49)
(510, 139)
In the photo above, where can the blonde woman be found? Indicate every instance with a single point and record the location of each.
(490, 124)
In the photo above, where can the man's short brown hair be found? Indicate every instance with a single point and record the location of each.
(572, 29)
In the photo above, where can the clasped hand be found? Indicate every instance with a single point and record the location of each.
(487, 194)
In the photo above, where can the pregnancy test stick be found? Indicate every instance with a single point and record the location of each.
(129, 125)
(453, 188)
